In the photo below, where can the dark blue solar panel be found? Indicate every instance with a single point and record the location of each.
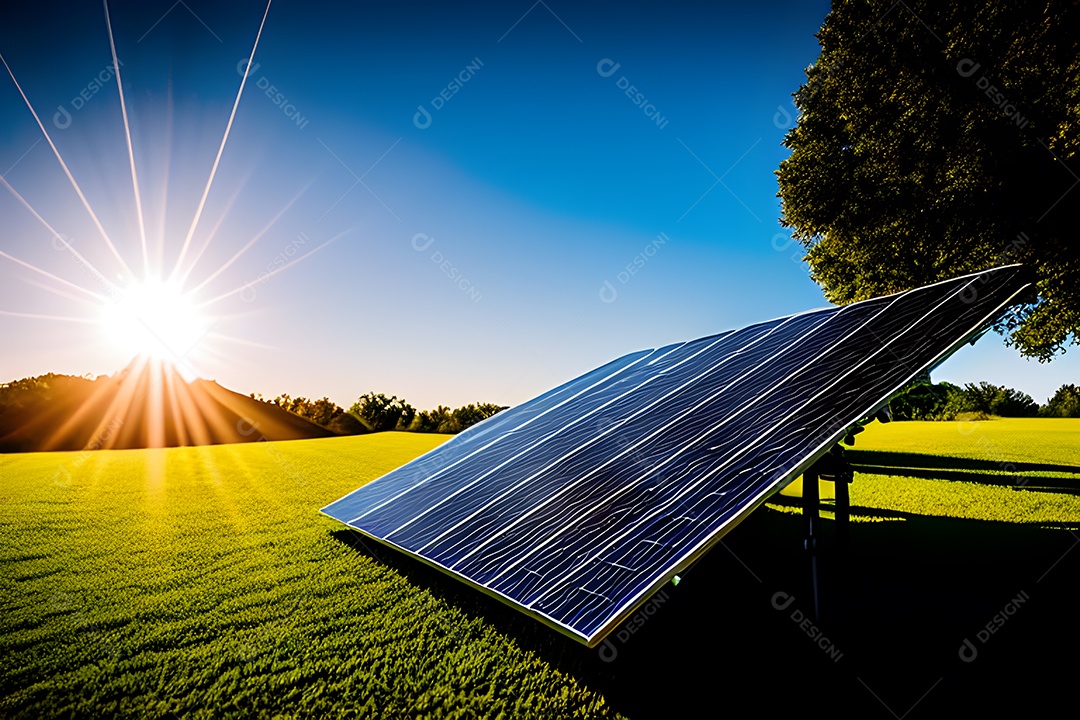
(577, 505)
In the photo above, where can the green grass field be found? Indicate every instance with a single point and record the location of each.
(203, 582)
(1001, 469)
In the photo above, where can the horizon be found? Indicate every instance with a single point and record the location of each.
(407, 202)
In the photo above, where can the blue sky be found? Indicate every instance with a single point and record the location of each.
(515, 192)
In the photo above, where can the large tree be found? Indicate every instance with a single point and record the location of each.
(939, 138)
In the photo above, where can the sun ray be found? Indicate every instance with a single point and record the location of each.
(275, 271)
(252, 241)
(176, 410)
(156, 399)
(213, 233)
(49, 275)
(70, 177)
(221, 148)
(188, 416)
(155, 410)
(63, 293)
(127, 134)
(56, 235)
(90, 411)
(35, 316)
(222, 357)
(121, 410)
(241, 341)
(164, 200)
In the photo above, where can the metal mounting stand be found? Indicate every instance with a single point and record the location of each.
(834, 468)
(811, 511)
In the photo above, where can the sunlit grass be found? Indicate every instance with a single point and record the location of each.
(203, 582)
(998, 486)
(1035, 440)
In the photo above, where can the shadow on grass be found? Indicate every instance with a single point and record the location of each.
(896, 608)
(945, 467)
(872, 514)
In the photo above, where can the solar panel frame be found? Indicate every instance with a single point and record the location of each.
(541, 406)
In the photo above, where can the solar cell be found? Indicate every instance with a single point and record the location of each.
(576, 506)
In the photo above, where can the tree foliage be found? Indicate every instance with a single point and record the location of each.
(444, 420)
(936, 139)
(26, 392)
(1065, 403)
(944, 401)
(378, 412)
(320, 412)
(922, 401)
(990, 399)
(441, 419)
(346, 424)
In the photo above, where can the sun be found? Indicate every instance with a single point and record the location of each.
(154, 319)
(144, 315)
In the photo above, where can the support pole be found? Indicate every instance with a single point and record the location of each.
(843, 509)
(811, 511)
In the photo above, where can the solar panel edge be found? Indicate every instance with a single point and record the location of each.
(708, 543)
(696, 553)
(628, 357)
(325, 508)
(974, 334)
(490, 592)
(852, 304)
(956, 279)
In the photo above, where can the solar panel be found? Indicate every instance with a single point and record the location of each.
(576, 506)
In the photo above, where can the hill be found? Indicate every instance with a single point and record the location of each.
(146, 405)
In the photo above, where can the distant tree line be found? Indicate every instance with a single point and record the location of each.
(376, 412)
(924, 400)
(19, 394)
(323, 412)
(1065, 403)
